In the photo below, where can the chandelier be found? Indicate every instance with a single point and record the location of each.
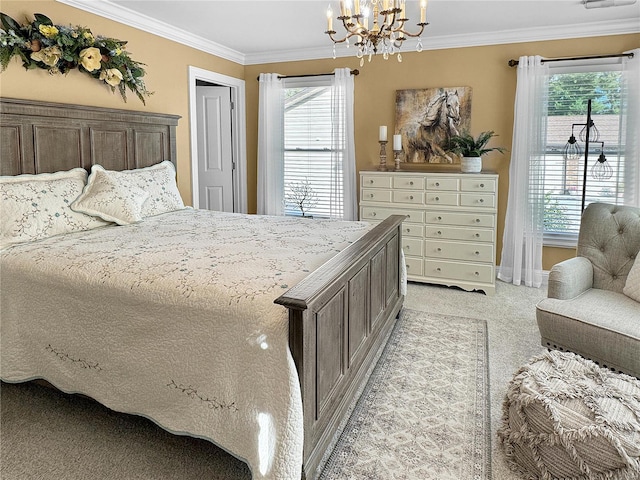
(386, 33)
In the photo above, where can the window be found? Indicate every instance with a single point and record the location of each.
(313, 174)
(569, 89)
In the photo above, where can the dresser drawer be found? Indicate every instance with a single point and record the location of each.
(441, 198)
(476, 252)
(441, 183)
(477, 200)
(412, 230)
(379, 213)
(408, 196)
(461, 219)
(376, 195)
(467, 272)
(409, 183)
(376, 181)
(412, 246)
(414, 265)
(456, 233)
(478, 185)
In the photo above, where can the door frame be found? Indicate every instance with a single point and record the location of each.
(238, 129)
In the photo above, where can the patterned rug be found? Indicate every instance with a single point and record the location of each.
(425, 412)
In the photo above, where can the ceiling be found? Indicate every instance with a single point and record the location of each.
(263, 31)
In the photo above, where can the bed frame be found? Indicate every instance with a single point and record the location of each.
(339, 316)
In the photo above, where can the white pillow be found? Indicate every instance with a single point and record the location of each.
(159, 181)
(33, 207)
(632, 286)
(108, 197)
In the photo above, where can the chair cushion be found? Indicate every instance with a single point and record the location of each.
(632, 287)
(599, 324)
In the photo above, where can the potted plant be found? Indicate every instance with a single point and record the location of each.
(472, 149)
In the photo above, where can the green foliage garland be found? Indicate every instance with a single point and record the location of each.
(59, 49)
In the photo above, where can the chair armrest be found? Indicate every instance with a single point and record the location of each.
(570, 278)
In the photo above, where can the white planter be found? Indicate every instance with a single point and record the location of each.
(471, 164)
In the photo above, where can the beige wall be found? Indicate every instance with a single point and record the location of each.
(166, 66)
(484, 69)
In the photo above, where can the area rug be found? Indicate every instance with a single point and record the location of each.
(425, 412)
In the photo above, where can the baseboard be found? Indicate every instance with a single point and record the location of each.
(545, 276)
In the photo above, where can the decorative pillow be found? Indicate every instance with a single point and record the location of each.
(38, 206)
(159, 181)
(108, 197)
(632, 286)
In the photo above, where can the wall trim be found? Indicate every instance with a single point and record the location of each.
(107, 9)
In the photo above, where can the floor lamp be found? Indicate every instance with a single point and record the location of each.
(601, 170)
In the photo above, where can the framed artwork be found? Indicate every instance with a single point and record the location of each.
(427, 118)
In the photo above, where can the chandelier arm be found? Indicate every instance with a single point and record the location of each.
(332, 32)
(421, 25)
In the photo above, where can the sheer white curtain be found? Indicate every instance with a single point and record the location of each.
(271, 145)
(343, 158)
(524, 224)
(631, 126)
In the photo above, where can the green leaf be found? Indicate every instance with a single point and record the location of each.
(9, 23)
(42, 19)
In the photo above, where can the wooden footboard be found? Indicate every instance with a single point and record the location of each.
(339, 316)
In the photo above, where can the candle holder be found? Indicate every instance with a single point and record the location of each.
(383, 156)
(396, 156)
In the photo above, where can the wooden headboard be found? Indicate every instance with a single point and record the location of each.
(39, 137)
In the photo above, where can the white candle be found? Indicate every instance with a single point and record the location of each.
(329, 18)
(356, 7)
(383, 133)
(423, 11)
(397, 142)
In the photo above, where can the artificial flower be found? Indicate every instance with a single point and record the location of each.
(90, 58)
(89, 37)
(49, 56)
(112, 76)
(48, 31)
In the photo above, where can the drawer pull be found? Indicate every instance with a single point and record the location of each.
(437, 199)
(408, 216)
(370, 181)
(477, 220)
(371, 195)
(407, 247)
(477, 235)
(408, 230)
(477, 253)
(477, 273)
(482, 185)
(373, 214)
(481, 200)
(437, 184)
(439, 232)
(438, 269)
(410, 183)
(410, 197)
(439, 249)
(439, 218)
(408, 266)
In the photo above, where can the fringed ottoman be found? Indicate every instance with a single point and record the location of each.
(566, 418)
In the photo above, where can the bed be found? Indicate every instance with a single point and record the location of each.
(175, 311)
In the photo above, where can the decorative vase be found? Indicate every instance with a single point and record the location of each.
(471, 164)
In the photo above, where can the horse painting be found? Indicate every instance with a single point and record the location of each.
(426, 120)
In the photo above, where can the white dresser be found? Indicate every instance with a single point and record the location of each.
(449, 235)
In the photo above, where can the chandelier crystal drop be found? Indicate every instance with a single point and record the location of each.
(377, 25)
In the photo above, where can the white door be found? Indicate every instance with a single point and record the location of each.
(215, 155)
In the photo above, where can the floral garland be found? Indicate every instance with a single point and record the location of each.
(59, 49)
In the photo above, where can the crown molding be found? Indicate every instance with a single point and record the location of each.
(107, 9)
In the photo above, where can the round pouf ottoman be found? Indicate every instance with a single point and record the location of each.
(564, 417)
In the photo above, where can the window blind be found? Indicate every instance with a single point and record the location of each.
(308, 126)
(568, 95)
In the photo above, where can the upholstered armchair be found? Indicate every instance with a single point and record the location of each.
(590, 309)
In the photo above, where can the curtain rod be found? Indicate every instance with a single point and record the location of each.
(513, 63)
(353, 72)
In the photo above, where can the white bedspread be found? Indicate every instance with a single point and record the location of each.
(173, 318)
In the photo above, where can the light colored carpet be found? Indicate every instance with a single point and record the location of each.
(424, 413)
(47, 435)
